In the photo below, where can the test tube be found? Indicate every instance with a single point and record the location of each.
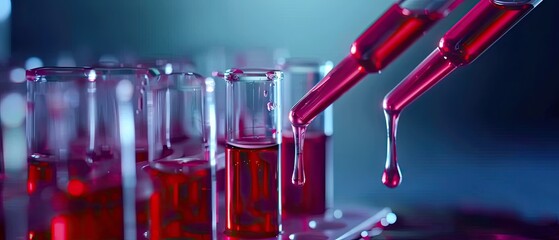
(252, 155)
(315, 196)
(183, 205)
(81, 126)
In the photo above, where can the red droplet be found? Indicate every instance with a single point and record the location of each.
(76, 187)
(391, 177)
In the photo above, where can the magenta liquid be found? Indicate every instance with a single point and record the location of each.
(311, 197)
(461, 45)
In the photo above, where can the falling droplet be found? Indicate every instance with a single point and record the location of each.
(298, 177)
(271, 106)
(391, 177)
(265, 93)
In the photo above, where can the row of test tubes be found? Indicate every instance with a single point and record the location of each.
(116, 152)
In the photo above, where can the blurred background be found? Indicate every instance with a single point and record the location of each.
(487, 136)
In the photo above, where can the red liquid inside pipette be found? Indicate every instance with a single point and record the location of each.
(461, 45)
(377, 47)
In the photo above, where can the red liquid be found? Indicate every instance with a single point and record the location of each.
(310, 198)
(90, 208)
(42, 173)
(252, 192)
(96, 215)
(390, 35)
(377, 47)
(181, 206)
(298, 176)
(92, 216)
(391, 177)
(461, 45)
(479, 29)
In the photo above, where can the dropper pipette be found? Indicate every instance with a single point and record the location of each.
(399, 27)
(482, 26)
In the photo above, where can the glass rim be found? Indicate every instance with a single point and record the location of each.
(251, 74)
(89, 74)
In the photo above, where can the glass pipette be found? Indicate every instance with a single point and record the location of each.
(400, 26)
(482, 26)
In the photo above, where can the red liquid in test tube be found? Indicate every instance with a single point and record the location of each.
(43, 173)
(40, 174)
(252, 194)
(89, 208)
(311, 197)
(181, 206)
(95, 215)
(462, 44)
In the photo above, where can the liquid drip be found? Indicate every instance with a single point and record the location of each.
(298, 176)
(391, 177)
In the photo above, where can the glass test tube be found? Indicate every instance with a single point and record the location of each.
(253, 137)
(181, 136)
(81, 132)
(316, 195)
